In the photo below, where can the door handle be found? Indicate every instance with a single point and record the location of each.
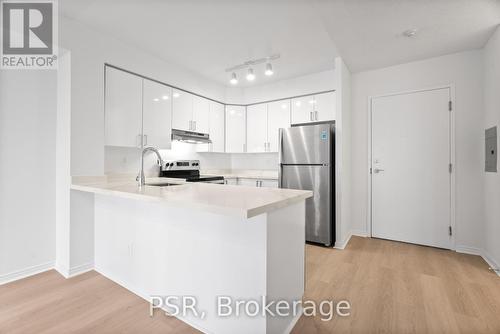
(378, 170)
(311, 116)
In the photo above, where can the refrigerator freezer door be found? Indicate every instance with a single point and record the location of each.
(308, 144)
(319, 207)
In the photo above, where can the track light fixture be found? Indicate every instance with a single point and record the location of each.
(249, 66)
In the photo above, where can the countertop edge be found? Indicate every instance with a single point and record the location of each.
(215, 209)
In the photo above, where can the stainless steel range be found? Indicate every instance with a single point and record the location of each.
(188, 170)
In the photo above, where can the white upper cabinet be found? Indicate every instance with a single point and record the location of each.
(201, 110)
(157, 114)
(278, 116)
(324, 107)
(314, 108)
(123, 109)
(235, 129)
(182, 110)
(257, 128)
(302, 109)
(216, 127)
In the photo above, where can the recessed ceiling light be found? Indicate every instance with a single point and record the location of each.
(250, 75)
(176, 95)
(410, 32)
(165, 97)
(234, 79)
(269, 69)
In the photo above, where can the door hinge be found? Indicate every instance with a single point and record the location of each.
(450, 231)
(450, 105)
(450, 168)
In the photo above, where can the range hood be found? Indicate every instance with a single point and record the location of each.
(190, 137)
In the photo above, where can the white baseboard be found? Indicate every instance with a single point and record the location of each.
(83, 268)
(294, 321)
(359, 233)
(26, 272)
(342, 244)
(468, 250)
(491, 261)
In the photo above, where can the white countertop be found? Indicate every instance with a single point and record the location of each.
(240, 201)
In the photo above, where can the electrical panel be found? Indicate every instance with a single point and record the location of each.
(491, 150)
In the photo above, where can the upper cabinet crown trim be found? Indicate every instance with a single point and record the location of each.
(208, 98)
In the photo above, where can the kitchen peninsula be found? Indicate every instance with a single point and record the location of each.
(202, 240)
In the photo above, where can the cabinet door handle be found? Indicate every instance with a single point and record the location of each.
(194, 125)
(145, 140)
(311, 116)
(315, 115)
(138, 140)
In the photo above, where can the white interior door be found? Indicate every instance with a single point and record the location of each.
(411, 180)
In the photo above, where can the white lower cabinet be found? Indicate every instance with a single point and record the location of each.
(269, 183)
(231, 181)
(251, 182)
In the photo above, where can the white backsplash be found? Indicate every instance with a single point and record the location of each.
(256, 161)
(121, 160)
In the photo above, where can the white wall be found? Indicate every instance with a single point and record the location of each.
(343, 154)
(465, 71)
(27, 170)
(89, 51)
(307, 84)
(492, 118)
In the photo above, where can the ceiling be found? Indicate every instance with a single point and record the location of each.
(208, 36)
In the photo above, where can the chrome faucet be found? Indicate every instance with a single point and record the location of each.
(141, 179)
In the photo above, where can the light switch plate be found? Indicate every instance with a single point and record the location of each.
(490, 144)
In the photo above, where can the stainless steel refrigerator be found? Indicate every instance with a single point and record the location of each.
(307, 161)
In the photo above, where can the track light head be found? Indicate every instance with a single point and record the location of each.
(250, 75)
(269, 69)
(234, 79)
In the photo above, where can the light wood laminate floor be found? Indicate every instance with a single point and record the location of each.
(392, 287)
